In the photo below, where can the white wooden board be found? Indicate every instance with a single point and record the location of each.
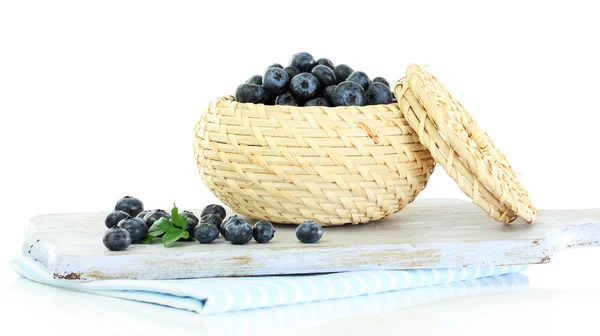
(427, 234)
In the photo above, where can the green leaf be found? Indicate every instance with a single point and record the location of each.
(148, 240)
(161, 226)
(173, 235)
(177, 219)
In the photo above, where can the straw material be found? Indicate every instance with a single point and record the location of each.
(286, 164)
(464, 150)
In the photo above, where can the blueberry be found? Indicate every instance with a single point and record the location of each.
(212, 219)
(190, 225)
(214, 209)
(325, 75)
(223, 227)
(191, 215)
(143, 214)
(328, 92)
(275, 80)
(291, 71)
(360, 78)
(286, 99)
(303, 61)
(256, 79)
(116, 239)
(263, 231)
(326, 62)
(137, 228)
(317, 102)
(394, 101)
(155, 215)
(378, 93)
(250, 93)
(382, 81)
(275, 65)
(342, 71)
(238, 231)
(348, 94)
(131, 205)
(304, 86)
(309, 232)
(206, 233)
(269, 98)
(113, 218)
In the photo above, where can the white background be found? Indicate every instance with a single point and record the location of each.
(99, 100)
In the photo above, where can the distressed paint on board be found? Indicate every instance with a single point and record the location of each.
(431, 233)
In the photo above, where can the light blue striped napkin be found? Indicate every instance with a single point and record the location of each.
(219, 295)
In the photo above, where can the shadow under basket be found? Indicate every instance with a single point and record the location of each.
(287, 164)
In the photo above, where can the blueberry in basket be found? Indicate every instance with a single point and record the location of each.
(378, 93)
(304, 86)
(306, 82)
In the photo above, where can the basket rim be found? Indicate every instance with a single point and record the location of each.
(231, 99)
(470, 152)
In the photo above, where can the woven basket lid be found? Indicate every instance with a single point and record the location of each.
(459, 145)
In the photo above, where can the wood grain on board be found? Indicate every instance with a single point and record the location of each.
(430, 233)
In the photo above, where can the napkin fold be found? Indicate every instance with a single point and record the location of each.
(220, 295)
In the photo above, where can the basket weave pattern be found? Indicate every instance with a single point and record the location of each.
(464, 150)
(286, 164)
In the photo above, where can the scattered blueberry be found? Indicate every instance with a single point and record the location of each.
(214, 209)
(212, 219)
(328, 92)
(191, 215)
(223, 227)
(263, 231)
(342, 71)
(250, 93)
(303, 61)
(131, 205)
(143, 214)
(360, 78)
(155, 215)
(325, 75)
(349, 94)
(291, 71)
(309, 232)
(319, 101)
(256, 80)
(238, 231)
(286, 99)
(137, 228)
(378, 93)
(275, 65)
(394, 101)
(206, 233)
(113, 218)
(326, 62)
(190, 225)
(382, 81)
(304, 86)
(275, 80)
(116, 239)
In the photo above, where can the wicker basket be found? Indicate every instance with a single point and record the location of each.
(335, 165)
(462, 148)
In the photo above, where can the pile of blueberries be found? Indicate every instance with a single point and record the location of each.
(129, 223)
(306, 82)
